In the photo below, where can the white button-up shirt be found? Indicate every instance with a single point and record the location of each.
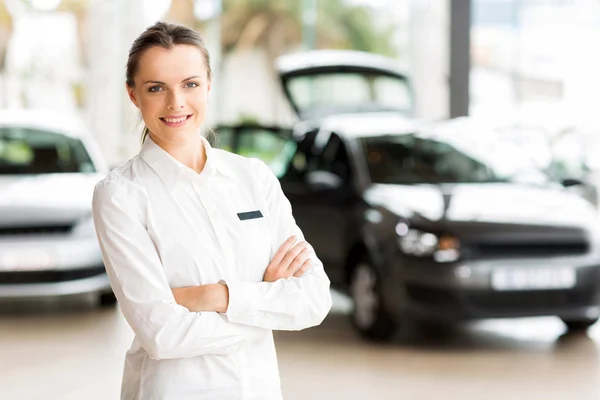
(160, 226)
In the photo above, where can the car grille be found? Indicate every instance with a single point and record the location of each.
(44, 230)
(531, 249)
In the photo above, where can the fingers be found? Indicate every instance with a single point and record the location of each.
(298, 261)
(292, 254)
(289, 260)
(283, 250)
(302, 270)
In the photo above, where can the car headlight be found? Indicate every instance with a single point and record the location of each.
(85, 227)
(418, 243)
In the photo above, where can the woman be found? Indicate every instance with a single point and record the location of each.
(200, 245)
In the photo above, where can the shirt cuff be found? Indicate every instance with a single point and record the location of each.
(243, 302)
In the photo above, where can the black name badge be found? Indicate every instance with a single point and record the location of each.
(250, 215)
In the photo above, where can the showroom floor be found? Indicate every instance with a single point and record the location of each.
(69, 350)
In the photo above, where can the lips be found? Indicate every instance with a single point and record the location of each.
(175, 120)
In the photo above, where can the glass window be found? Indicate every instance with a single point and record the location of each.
(327, 93)
(391, 93)
(329, 89)
(223, 139)
(271, 146)
(534, 56)
(31, 151)
(408, 159)
(303, 159)
(334, 158)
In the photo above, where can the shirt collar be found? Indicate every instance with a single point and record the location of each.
(170, 170)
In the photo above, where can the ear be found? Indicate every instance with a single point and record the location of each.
(131, 94)
(209, 86)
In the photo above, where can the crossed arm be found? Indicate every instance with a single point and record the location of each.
(170, 323)
(294, 293)
(289, 261)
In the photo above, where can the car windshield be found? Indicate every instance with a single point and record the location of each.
(330, 93)
(25, 151)
(410, 159)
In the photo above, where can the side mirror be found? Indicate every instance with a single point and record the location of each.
(323, 181)
(569, 182)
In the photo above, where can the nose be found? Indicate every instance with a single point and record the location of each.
(176, 100)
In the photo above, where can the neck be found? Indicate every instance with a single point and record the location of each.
(190, 152)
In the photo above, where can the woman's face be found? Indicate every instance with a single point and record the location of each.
(171, 90)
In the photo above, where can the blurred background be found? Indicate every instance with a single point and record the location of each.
(392, 113)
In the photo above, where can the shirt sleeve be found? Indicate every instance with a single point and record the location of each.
(287, 304)
(164, 328)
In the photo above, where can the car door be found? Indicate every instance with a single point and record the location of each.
(320, 186)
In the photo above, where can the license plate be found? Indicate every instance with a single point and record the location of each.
(26, 260)
(533, 279)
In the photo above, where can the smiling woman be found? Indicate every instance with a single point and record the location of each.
(200, 245)
(169, 97)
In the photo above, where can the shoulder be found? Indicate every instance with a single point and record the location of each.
(244, 166)
(124, 181)
(233, 160)
(254, 172)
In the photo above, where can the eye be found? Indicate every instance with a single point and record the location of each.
(154, 89)
(191, 85)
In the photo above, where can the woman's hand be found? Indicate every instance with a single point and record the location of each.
(289, 261)
(211, 297)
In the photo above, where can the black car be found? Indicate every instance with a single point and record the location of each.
(418, 220)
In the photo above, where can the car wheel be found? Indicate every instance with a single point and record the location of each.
(579, 324)
(107, 299)
(369, 314)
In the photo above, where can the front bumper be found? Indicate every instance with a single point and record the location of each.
(464, 290)
(53, 283)
(67, 266)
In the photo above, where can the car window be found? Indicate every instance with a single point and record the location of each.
(271, 146)
(302, 159)
(407, 159)
(327, 93)
(222, 138)
(329, 89)
(392, 93)
(31, 151)
(334, 158)
(568, 157)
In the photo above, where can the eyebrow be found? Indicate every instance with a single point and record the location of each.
(162, 83)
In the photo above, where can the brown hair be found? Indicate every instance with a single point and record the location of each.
(165, 35)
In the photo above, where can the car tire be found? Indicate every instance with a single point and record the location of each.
(369, 314)
(579, 324)
(107, 299)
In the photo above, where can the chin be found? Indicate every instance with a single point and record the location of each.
(182, 135)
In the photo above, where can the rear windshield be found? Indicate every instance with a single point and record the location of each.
(25, 151)
(327, 93)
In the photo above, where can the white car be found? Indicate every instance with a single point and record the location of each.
(49, 165)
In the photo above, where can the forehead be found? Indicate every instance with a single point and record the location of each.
(176, 63)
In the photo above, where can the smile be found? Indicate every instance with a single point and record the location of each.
(175, 120)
